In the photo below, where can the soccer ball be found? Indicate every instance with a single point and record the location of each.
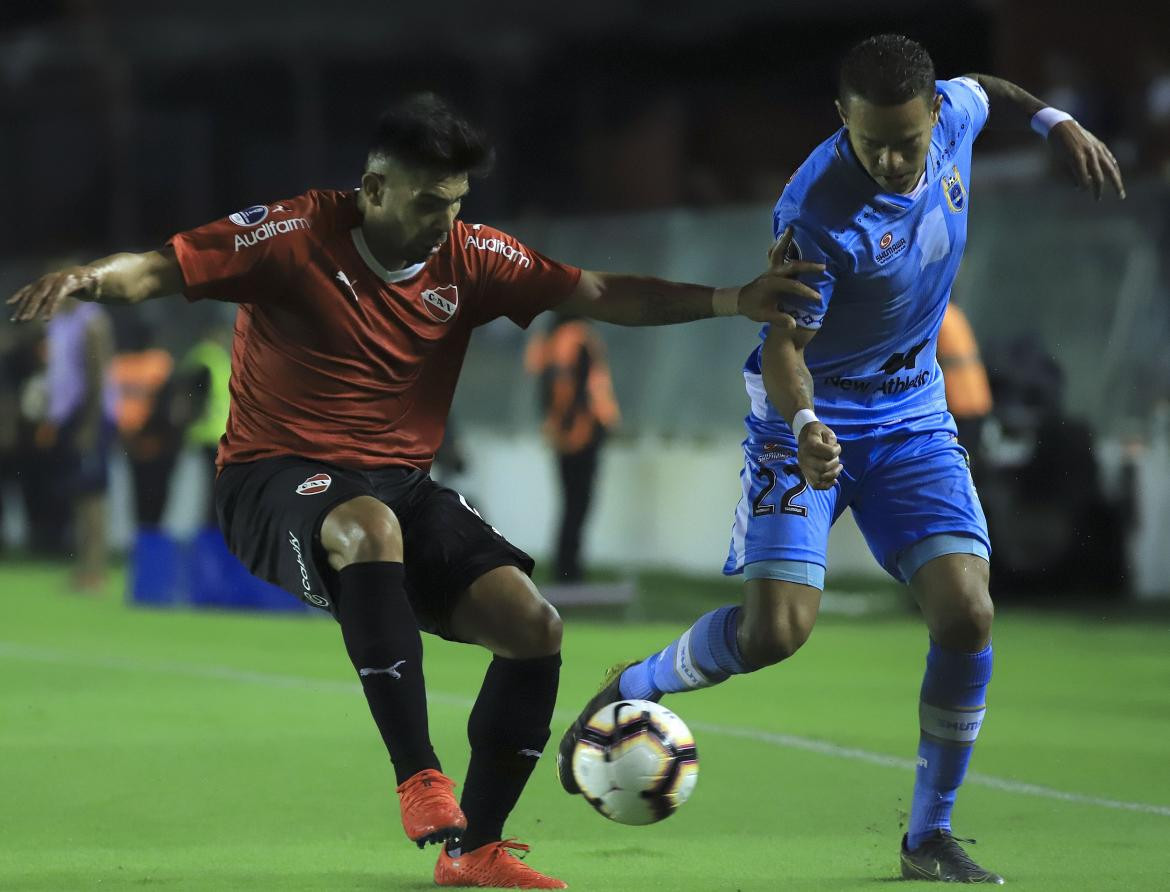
(636, 762)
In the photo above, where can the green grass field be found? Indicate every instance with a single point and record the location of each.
(174, 750)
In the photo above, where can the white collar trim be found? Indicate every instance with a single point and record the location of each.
(386, 275)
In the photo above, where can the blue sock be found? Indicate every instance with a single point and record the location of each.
(704, 655)
(950, 713)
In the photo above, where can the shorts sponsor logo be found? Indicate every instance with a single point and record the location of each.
(306, 586)
(314, 485)
(501, 247)
(249, 216)
(442, 302)
(773, 452)
(271, 229)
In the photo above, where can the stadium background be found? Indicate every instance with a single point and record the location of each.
(646, 137)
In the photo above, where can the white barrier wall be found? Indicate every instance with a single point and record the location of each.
(658, 504)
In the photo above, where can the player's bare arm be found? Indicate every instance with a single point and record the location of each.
(1088, 160)
(790, 388)
(641, 300)
(117, 279)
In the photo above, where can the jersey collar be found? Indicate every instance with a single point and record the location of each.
(389, 276)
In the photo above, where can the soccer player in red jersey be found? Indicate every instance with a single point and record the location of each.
(355, 310)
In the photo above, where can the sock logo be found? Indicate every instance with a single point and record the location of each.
(531, 754)
(392, 671)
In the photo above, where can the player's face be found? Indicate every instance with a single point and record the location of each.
(411, 211)
(891, 141)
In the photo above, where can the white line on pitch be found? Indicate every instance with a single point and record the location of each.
(226, 673)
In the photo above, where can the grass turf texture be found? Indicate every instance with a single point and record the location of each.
(203, 751)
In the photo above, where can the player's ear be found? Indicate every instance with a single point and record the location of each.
(936, 110)
(841, 112)
(372, 187)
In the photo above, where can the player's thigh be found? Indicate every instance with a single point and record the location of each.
(361, 529)
(777, 618)
(918, 487)
(779, 516)
(271, 512)
(467, 582)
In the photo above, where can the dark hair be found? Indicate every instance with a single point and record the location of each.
(888, 69)
(424, 130)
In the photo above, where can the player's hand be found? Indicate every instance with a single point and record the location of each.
(41, 299)
(1088, 160)
(762, 299)
(819, 455)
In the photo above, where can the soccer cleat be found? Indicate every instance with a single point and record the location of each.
(429, 810)
(943, 860)
(491, 866)
(610, 693)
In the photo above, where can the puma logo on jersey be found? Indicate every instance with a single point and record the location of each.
(344, 280)
(392, 671)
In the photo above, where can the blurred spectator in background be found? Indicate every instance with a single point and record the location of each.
(79, 425)
(1155, 114)
(965, 378)
(141, 375)
(1057, 531)
(579, 406)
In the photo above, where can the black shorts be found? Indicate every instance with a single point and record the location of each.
(271, 513)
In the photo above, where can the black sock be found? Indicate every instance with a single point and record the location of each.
(382, 638)
(508, 729)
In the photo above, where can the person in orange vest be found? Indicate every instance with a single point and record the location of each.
(576, 395)
(140, 379)
(965, 379)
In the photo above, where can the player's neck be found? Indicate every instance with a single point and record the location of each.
(389, 256)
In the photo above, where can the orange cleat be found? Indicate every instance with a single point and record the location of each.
(429, 810)
(492, 867)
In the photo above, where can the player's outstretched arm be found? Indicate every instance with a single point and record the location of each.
(117, 279)
(790, 389)
(1088, 160)
(640, 300)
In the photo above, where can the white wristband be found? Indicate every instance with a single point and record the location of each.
(1047, 118)
(725, 302)
(803, 417)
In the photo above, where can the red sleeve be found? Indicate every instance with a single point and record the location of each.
(515, 281)
(240, 258)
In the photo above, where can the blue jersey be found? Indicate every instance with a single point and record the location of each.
(890, 261)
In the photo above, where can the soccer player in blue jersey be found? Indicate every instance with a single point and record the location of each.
(883, 204)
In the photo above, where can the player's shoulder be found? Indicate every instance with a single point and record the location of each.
(479, 243)
(964, 109)
(821, 198)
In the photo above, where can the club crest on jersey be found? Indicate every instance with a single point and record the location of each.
(249, 216)
(314, 485)
(953, 189)
(442, 302)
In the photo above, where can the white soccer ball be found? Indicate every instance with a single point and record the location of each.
(636, 762)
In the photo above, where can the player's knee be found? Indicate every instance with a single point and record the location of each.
(766, 640)
(359, 531)
(966, 627)
(543, 630)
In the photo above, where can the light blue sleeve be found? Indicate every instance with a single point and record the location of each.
(967, 95)
(806, 247)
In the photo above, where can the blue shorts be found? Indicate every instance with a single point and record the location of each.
(906, 483)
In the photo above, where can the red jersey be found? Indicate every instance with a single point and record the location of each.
(335, 357)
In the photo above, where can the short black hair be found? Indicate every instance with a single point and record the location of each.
(424, 130)
(887, 69)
